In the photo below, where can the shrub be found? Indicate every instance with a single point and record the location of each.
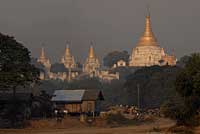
(116, 118)
(177, 109)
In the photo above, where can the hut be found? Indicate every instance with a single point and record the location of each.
(78, 101)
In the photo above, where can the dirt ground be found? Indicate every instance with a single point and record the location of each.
(141, 129)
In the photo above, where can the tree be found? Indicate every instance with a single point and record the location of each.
(156, 85)
(188, 82)
(16, 70)
(15, 64)
(188, 87)
(84, 83)
(183, 60)
(42, 105)
(113, 57)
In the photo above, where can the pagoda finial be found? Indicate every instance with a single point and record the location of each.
(148, 9)
(42, 57)
(67, 49)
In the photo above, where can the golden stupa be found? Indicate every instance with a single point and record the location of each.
(42, 59)
(91, 64)
(67, 59)
(147, 51)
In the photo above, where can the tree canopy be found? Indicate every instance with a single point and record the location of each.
(15, 64)
(156, 85)
(113, 57)
(187, 85)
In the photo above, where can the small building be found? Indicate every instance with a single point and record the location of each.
(106, 76)
(78, 101)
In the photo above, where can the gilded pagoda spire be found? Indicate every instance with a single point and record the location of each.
(91, 64)
(148, 38)
(67, 59)
(91, 52)
(42, 59)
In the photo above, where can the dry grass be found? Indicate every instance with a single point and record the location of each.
(73, 126)
(53, 123)
(181, 130)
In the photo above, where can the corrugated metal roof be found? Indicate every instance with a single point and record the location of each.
(68, 95)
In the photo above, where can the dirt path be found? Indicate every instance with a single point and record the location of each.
(141, 129)
(197, 130)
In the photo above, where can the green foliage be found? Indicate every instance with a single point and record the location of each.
(15, 67)
(183, 60)
(42, 105)
(188, 82)
(113, 57)
(184, 108)
(51, 85)
(16, 70)
(86, 83)
(178, 110)
(37, 64)
(156, 85)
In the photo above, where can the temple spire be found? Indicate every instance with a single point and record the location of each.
(91, 51)
(67, 51)
(148, 31)
(42, 58)
(147, 38)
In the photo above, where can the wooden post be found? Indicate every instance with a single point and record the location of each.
(138, 91)
(93, 114)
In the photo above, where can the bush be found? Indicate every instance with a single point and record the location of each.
(178, 110)
(116, 118)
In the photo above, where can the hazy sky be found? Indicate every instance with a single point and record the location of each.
(113, 24)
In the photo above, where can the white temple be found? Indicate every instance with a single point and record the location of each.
(148, 52)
